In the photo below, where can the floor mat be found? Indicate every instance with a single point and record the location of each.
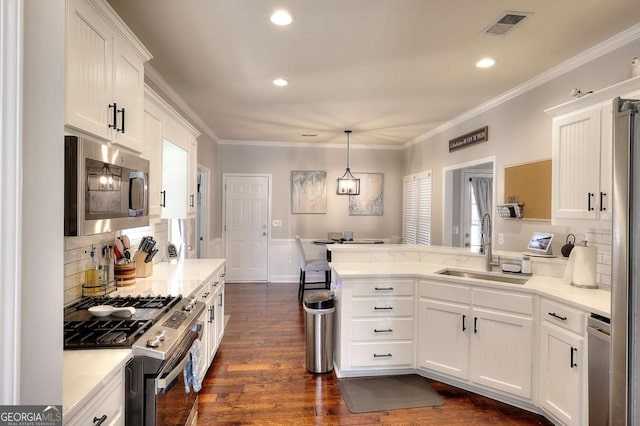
(364, 395)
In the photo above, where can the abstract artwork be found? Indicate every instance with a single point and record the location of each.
(308, 192)
(370, 201)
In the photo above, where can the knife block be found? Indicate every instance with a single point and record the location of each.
(143, 270)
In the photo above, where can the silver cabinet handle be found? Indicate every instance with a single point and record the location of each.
(386, 308)
(382, 355)
(383, 288)
(388, 330)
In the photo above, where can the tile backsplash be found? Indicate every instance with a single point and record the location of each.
(76, 253)
(601, 239)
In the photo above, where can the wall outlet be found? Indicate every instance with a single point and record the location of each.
(500, 238)
(276, 223)
(455, 230)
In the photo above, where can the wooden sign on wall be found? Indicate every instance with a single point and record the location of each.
(468, 139)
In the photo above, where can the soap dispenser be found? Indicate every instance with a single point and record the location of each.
(91, 270)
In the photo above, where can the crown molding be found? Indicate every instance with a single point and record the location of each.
(601, 49)
(154, 76)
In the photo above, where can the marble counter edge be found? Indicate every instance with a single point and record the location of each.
(85, 372)
(587, 300)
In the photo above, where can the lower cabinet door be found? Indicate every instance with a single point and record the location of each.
(394, 354)
(562, 371)
(501, 351)
(443, 337)
(106, 406)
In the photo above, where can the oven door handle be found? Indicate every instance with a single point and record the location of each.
(164, 381)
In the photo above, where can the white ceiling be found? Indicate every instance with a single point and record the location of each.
(390, 70)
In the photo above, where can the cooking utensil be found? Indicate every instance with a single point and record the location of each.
(126, 242)
(106, 310)
(566, 249)
(118, 249)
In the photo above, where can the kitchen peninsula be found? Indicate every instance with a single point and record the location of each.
(94, 380)
(410, 309)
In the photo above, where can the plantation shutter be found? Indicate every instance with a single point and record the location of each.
(416, 223)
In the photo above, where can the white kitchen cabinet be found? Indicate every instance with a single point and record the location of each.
(192, 176)
(152, 151)
(581, 167)
(208, 320)
(104, 74)
(219, 295)
(212, 294)
(378, 332)
(107, 404)
(170, 145)
(501, 351)
(444, 315)
(478, 335)
(563, 363)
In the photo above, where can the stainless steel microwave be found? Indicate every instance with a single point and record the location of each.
(105, 189)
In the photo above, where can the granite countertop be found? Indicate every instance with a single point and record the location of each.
(588, 300)
(85, 371)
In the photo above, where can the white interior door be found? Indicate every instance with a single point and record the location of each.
(246, 227)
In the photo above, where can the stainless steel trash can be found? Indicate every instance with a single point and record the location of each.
(319, 307)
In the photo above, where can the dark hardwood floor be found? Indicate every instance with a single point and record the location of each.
(259, 375)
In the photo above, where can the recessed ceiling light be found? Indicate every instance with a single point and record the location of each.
(281, 17)
(280, 82)
(486, 63)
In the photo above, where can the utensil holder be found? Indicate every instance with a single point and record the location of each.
(143, 269)
(125, 274)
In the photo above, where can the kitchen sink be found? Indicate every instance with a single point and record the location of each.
(486, 276)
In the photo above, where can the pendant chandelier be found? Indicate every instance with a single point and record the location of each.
(348, 184)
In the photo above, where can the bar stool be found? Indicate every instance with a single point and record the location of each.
(311, 265)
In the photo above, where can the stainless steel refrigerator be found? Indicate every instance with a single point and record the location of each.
(625, 294)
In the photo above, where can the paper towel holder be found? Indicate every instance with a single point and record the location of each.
(585, 286)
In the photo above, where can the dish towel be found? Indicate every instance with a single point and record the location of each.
(194, 371)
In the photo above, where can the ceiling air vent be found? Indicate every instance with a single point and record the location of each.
(506, 22)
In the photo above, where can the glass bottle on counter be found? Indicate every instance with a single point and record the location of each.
(106, 266)
(91, 270)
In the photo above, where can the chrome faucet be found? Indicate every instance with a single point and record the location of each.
(486, 243)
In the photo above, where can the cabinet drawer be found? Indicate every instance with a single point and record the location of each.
(563, 316)
(505, 301)
(381, 354)
(448, 292)
(383, 287)
(109, 402)
(382, 329)
(383, 307)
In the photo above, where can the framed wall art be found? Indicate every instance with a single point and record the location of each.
(370, 200)
(308, 192)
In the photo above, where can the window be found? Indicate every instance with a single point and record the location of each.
(416, 221)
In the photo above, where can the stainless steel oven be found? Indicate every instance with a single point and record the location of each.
(155, 389)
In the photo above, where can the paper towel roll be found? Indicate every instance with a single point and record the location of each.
(582, 264)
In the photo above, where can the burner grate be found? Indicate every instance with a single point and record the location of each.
(101, 334)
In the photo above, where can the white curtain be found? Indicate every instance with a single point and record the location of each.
(483, 192)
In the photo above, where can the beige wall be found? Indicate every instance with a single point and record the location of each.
(280, 161)
(207, 157)
(519, 131)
